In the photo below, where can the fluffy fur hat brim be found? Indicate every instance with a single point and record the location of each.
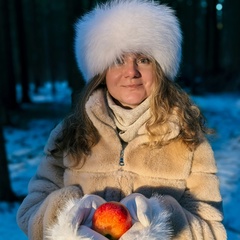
(127, 26)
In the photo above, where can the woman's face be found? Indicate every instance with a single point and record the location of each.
(130, 80)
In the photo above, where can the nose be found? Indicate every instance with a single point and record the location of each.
(131, 70)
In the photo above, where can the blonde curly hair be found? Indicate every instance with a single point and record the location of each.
(167, 100)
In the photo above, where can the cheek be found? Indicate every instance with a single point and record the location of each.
(111, 79)
(149, 85)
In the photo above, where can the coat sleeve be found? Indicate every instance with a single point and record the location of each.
(198, 214)
(46, 194)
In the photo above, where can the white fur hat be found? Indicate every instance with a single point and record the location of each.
(127, 26)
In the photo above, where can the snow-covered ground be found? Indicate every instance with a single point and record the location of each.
(24, 150)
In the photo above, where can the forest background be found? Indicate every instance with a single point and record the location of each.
(36, 46)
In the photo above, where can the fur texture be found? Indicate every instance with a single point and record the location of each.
(186, 181)
(159, 228)
(65, 228)
(137, 26)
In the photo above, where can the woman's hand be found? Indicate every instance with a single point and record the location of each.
(139, 208)
(84, 209)
(150, 218)
(75, 220)
(86, 233)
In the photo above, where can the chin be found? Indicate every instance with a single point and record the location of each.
(132, 103)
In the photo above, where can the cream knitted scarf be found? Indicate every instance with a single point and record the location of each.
(130, 122)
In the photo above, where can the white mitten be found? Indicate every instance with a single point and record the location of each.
(86, 233)
(84, 209)
(150, 219)
(139, 208)
(75, 220)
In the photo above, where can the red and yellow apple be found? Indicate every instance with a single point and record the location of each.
(111, 219)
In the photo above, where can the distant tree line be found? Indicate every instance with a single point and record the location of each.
(36, 45)
(211, 51)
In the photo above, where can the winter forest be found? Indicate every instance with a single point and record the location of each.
(39, 83)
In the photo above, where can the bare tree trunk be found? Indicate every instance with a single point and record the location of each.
(75, 79)
(24, 78)
(212, 37)
(6, 193)
(230, 58)
(8, 83)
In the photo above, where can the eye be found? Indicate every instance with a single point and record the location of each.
(119, 61)
(143, 60)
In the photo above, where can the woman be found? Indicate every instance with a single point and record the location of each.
(135, 137)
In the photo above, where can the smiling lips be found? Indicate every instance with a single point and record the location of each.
(133, 86)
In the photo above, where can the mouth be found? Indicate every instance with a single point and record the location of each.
(132, 86)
